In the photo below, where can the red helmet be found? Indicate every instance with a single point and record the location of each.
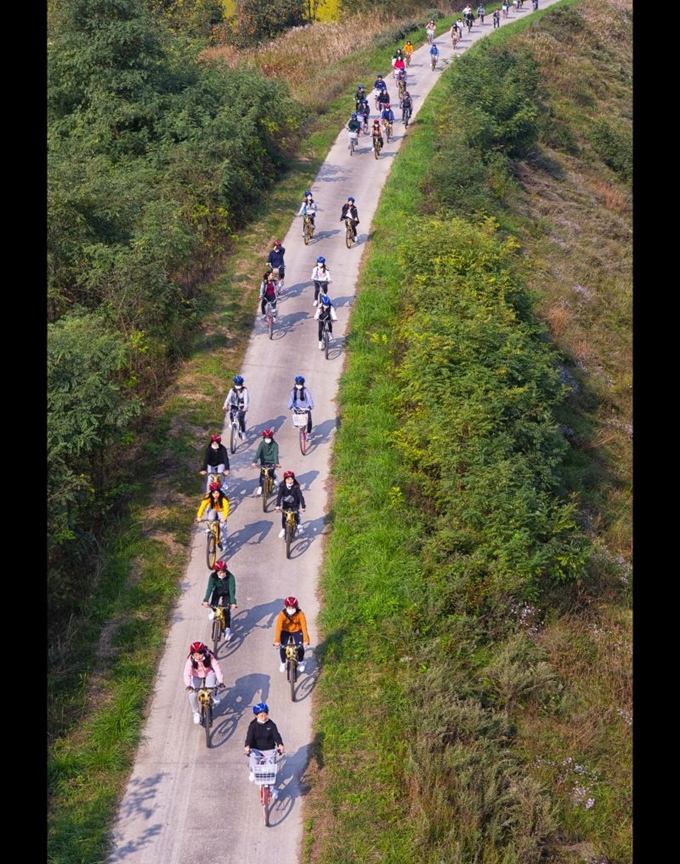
(268, 433)
(220, 565)
(291, 601)
(197, 648)
(289, 474)
(216, 438)
(214, 487)
(277, 243)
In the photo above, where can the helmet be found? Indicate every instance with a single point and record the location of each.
(354, 115)
(216, 438)
(261, 708)
(289, 474)
(290, 601)
(379, 76)
(238, 380)
(220, 565)
(387, 105)
(214, 487)
(326, 300)
(197, 648)
(406, 93)
(277, 242)
(268, 433)
(360, 87)
(351, 199)
(299, 379)
(307, 193)
(320, 260)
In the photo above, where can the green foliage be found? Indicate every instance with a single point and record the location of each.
(614, 145)
(262, 20)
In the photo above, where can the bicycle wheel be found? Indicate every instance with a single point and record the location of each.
(216, 634)
(291, 669)
(233, 440)
(207, 722)
(265, 800)
(290, 533)
(306, 234)
(303, 439)
(265, 492)
(433, 63)
(348, 237)
(326, 342)
(270, 324)
(211, 549)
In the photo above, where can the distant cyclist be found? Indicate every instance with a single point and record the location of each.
(238, 400)
(301, 399)
(308, 208)
(434, 54)
(325, 314)
(291, 622)
(406, 104)
(275, 259)
(263, 739)
(221, 591)
(268, 293)
(215, 461)
(349, 211)
(267, 455)
(321, 276)
(201, 668)
(290, 498)
(215, 505)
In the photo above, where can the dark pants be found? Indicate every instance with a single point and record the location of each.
(330, 327)
(320, 287)
(266, 300)
(241, 417)
(297, 638)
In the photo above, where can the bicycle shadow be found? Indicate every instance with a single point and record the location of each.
(302, 541)
(287, 322)
(321, 433)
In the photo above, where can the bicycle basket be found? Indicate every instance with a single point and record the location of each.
(300, 419)
(265, 775)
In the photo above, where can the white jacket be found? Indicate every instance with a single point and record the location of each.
(334, 317)
(321, 275)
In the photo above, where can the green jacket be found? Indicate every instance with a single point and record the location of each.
(226, 586)
(267, 453)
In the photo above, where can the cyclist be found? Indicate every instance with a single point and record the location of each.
(349, 211)
(401, 79)
(275, 259)
(406, 104)
(534, 4)
(201, 666)
(408, 50)
(263, 739)
(291, 621)
(455, 35)
(300, 397)
(215, 505)
(359, 95)
(267, 454)
(382, 100)
(216, 460)
(434, 52)
(268, 293)
(496, 18)
(459, 24)
(353, 128)
(325, 313)
(481, 12)
(376, 133)
(307, 208)
(321, 276)
(221, 590)
(429, 30)
(398, 62)
(469, 16)
(379, 83)
(290, 497)
(364, 112)
(238, 400)
(387, 117)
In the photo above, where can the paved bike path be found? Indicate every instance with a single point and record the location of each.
(186, 803)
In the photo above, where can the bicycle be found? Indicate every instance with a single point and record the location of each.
(213, 542)
(234, 429)
(377, 147)
(265, 777)
(219, 624)
(350, 233)
(326, 337)
(270, 314)
(290, 529)
(206, 703)
(406, 116)
(407, 58)
(300, 421)
(291, 649)
(307, 229)
(267, 484)
(364, 124)
(433, 61)
(353, 139)
(387, 126)
(401, 87)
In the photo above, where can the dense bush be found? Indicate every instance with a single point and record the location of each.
(614, 145)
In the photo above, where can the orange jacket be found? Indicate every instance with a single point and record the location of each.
(291, 624)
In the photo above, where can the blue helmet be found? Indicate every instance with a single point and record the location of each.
(307, 193)
(299, 379)
(351, 199)
(354, 115)
(326, 300)
(261, 708)
(238, 380)
(320, 260)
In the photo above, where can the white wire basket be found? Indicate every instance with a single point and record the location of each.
(265, 774)
(300, 419)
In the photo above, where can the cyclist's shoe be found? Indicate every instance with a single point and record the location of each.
(219, 544)
(282, 532)
(299, 527)
(282, 667)
(197, 718)
(320, 346)
(251, 777)
(211, 615)
(207, 530)
(314, 303)
(301, 667)
(259, 490)
(242, 436)
(275, 794)
(216, 699)
(227, 634)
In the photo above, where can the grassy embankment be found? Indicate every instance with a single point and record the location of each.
(476, 698)
(98, 686)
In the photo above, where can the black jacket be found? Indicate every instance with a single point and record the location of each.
(213, 458)
(263, 736)
(290, 499)
(351, 211)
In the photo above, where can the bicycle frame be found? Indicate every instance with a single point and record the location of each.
(291, 527)
(205, 705)
(291, 649)
(265, 777)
